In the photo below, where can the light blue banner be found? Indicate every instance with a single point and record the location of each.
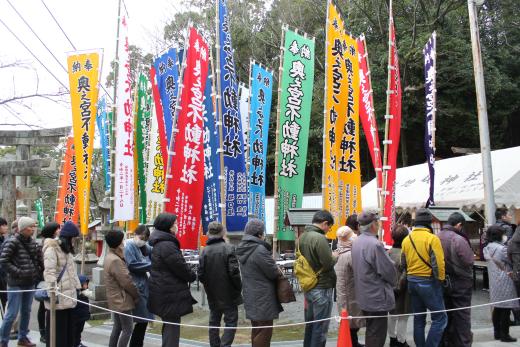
(167, 73)
(233, 142)
(104, 137)
(261, 96)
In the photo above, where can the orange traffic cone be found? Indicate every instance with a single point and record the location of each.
(344, 339)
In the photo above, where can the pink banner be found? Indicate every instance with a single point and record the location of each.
(393, 137)
(367, 114)
(184, 188)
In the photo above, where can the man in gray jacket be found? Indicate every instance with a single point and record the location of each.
(458, 257)
(374, 278)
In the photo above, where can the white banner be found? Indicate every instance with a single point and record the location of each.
(154, 172)
(124, 168)
(244, 110)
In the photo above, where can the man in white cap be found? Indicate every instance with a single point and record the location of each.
(21, 258)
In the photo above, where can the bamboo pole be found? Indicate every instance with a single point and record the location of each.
(277, 142)
(377, 153)
(114, 120)
(384, 191)
(325, 110)
(218, 99)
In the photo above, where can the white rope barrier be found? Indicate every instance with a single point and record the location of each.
(337, 318)
(22, 290)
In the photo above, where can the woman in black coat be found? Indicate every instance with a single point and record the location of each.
(170, 297)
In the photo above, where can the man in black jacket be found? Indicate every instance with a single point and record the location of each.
(22, 259)
(220, 273)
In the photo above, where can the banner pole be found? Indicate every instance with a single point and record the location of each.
(277, 143)
(326, 76)
(114, 120)
(387, 121)
(218, 98)
(373, 114)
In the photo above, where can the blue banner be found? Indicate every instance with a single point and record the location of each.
(167, 71)
(233, 142)
(210, 205)
(261, 96)
(104, 137)
(430, 58)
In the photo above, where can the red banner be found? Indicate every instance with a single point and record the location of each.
(184, 190)
(67, 208)
(160, 118)
(393, 135)
(367, 112)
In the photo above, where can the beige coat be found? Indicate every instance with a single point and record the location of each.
(54, 259)
(122, 293)
(346, 296)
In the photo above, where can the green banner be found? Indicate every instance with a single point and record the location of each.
(293, 125)
(144, 104)
(38, 205)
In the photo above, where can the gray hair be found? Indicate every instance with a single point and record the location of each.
(367, 227)
(216, 230)
(254, 227)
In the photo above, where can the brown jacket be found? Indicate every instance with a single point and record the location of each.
(121, 290)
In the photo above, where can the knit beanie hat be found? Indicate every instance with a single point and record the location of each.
(423, 217)
(114, 238)
(25, 222)
(69, 229)
(216, 230)
(254, 227)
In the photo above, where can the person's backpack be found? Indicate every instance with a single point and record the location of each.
(304, 272)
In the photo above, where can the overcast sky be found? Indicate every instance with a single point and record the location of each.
(89, 24)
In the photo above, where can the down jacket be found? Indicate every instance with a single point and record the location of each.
(346, 294)
(501, 286)
(220, 274)
(139, 266)
(54, 260)
(122, 293)
(170, 296)
(22, 260)
(259, 278)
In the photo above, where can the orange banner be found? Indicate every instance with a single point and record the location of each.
(84, 83)
(67, 201)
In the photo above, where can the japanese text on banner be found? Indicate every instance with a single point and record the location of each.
(261, 96)
(430, 73)
(342, 184)
(84, 78)
(185, 188)
(295, 113)
(124, 163)
(67, 201)
(142, 135)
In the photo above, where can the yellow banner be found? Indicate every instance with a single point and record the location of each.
(341, 169)
(84, 79)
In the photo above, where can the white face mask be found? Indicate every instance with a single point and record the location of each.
(139, 243)
(504, 238)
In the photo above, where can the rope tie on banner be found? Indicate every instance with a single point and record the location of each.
(336, 317)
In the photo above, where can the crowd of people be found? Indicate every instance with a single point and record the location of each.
(147, 276)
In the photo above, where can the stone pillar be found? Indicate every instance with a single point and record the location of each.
(8, 210)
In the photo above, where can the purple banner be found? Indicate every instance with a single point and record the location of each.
(430, 73)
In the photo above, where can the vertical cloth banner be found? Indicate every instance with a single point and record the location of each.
(84, 87)
(233, 141)
(67, 201)
(124, 162)
(38, 205)
(261, 97)
(142, 136)
(104, 138)
(243, 92)
(155, 172)
(430, 86)
(295, 115)
(342, 170)
(167, 71)
(395, 95)
(184, 191)
(211, 210)
(367, 114)
(163, 139)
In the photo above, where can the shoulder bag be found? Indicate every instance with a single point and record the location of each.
(447, 281)
(42, 294)
(284, 290)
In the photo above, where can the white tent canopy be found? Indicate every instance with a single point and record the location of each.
(458, 182)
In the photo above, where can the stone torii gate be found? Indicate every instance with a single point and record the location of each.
(24, 167)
